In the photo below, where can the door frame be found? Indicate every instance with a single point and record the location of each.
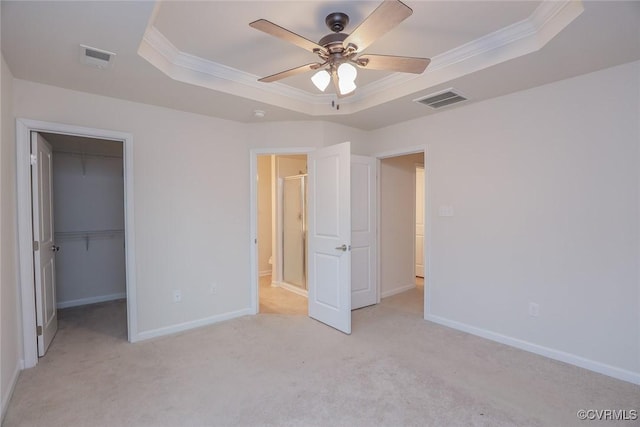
(415, 203)
(24, 127)
(424, 149)
(253, 213)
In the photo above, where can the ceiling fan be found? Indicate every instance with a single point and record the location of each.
(339, 52)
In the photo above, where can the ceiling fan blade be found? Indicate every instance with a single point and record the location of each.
(404, 64)
(291, 72)
(386, 16)
(286, 35)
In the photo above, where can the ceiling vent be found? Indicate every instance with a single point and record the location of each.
(96, 57)
(441, 99)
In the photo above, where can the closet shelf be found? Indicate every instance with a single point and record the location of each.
(87, 235)
(90, 233)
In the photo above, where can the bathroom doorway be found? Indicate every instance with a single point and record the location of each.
(282, 240)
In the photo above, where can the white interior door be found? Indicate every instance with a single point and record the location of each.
(329, 236)
(364, 285)
(44, 245)
(420, 221)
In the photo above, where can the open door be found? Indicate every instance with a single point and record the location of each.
(329, 236)
(44, 246)
(364, 284)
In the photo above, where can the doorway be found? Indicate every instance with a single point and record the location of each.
(27, 238)
(88, 219)
(330, 241)
(402, 231)
(282, 243)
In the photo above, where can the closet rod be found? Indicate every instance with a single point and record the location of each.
(89, 233)
(80, 154)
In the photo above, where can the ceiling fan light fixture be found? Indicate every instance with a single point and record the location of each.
(347, 72)
(321, 79)
(346, 86)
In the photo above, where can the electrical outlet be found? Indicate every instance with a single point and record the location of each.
(534, 309)
(177, 295)
(213, 289)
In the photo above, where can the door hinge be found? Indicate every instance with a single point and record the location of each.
(39, 330)
(36, 245)
(34, 160)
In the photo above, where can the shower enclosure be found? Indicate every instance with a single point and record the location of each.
(294, 232)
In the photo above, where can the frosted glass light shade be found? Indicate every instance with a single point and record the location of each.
(347, 71)
(346, 86)
(321, 79)
(347, 74)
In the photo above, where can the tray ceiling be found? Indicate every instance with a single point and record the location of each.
(202, 56)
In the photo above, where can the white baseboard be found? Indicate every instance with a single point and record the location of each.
(6, 398)
(572, 359)
(397, 290)
(264, 273)
(291, 288)
(180, 327)
(90, 300)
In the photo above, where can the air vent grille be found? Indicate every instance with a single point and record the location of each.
(96, 57)
(441, 99)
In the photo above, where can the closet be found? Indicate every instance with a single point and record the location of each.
(88, 204)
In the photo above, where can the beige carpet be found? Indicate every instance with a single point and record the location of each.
(275, 300)
(289, 370)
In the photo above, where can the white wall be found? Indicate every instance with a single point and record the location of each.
(191, 204)
(302, 134)
(544, 185)
(10, 326)
(397, 223)
(191, 186)
(89, 198)
(264, 215)
(545, 190)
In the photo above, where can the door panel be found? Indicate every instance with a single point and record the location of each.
(329, 230)
(44, 256)
(327, 274)
(364, 287)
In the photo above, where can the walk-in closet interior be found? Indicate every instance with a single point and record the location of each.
(88, 206)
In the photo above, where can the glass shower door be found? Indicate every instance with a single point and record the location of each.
(294, 231)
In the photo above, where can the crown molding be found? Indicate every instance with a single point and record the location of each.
(182, 66)
(518, 39)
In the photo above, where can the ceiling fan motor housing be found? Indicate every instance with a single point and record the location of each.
(333, 42)
(336, 21)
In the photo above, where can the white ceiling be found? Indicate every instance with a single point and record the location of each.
(203, 57)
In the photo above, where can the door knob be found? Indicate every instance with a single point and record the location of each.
(55, 248)
(342, 248)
